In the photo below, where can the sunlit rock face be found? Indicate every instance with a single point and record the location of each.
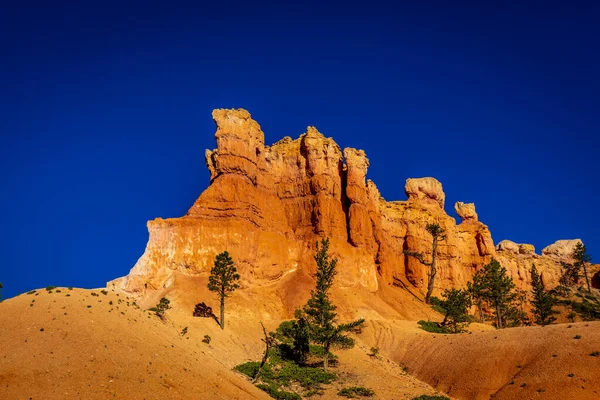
(268, 205)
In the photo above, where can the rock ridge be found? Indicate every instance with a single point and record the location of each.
(268, 205)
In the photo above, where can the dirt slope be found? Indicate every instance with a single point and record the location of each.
(72, 345)
(552, 362)
(92, 349)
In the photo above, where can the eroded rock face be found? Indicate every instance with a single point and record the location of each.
(426, 189)
(508, 245)
(466, 211)
(561, 250)
(268, 205)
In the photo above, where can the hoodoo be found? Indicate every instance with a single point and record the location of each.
(268, 205)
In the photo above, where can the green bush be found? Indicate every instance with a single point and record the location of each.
(249, 369)
(437, 304)
(104, 292)
(353, 391)
(161, 307)
(428, 397)
(206, 339)
(50, 288)
(432, 327)
(307, 377)
(278, 394)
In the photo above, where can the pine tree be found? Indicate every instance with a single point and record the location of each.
(581, 258)
(456, 303)
(437, 233)
(543, 301)
(475, 290)
(495, 288)
(223, 280)
(320, 311)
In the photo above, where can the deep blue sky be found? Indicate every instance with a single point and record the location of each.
(105, 113)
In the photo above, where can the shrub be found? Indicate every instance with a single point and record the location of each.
(70, 287)
(432, 327)
(429, 397)
(184, 331)
(577, 337)
(202, 310)
(249, 368)
(50, 288)
(31, 291)
(95, 294)
(307, 377)
(161, 307)
(374, 351)
(595, 354)
(206, 339)
(104, 292)
(353, 391)
(436, 304)
(278, 394)
(58, 291)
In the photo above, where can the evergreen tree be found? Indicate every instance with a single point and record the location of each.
(515, 314)
(456, 303)
(581, 258)
(437, 233)
(495, 288)
(476, 292)
(320, 311)
(223, 280)
(543, 301)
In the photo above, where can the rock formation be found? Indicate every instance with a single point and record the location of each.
(465, 211)
(268, 205)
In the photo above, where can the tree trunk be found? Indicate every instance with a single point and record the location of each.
(265, 356)
(222, 320)
(498, 315)
(587, 279)
(326, 359)
(432, 271)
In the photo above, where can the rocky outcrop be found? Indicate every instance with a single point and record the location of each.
(427, 189)
(561, 250)
(466, 211)
(268, 205)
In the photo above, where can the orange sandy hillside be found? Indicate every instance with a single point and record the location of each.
(72, 345)
(56, 347)
(552, 362)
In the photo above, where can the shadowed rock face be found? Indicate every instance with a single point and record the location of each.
(268, 205)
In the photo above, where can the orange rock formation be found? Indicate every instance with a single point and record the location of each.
(268, 205)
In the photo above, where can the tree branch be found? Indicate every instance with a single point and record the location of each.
(418, 256)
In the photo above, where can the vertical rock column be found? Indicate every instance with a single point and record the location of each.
(360, 227)
(324, 169)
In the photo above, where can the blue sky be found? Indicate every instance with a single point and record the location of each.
(105, 114)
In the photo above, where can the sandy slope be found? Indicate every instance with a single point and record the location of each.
(104, 351)
(517, 363)
(120, 351)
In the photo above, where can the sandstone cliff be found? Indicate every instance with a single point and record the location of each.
(268, 205)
